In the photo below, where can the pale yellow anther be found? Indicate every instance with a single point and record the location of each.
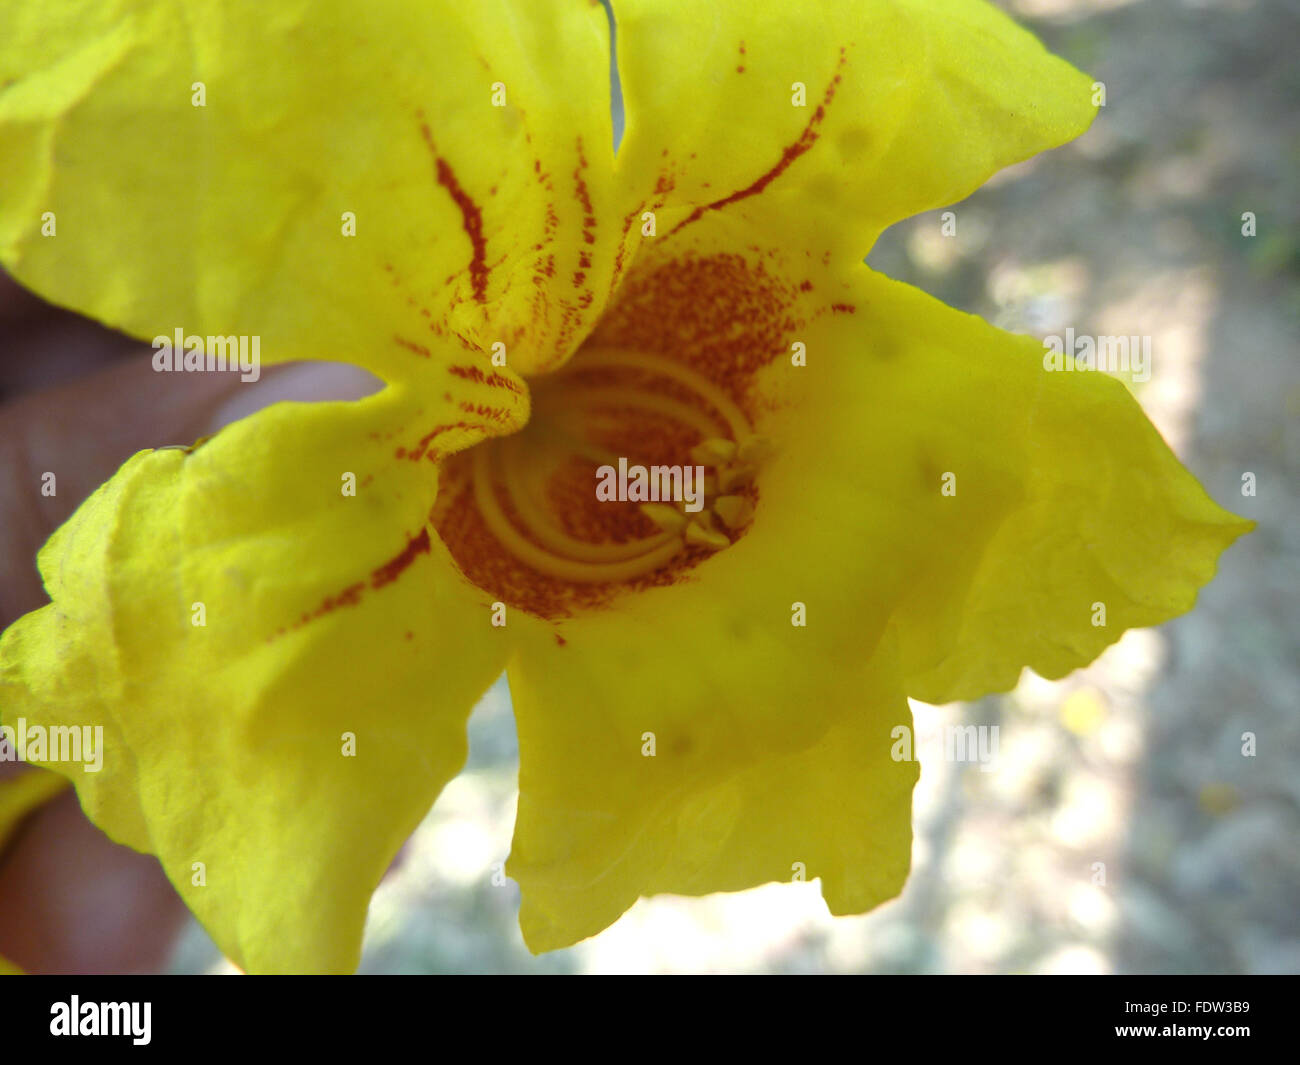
(734, 477)
(733, 511)
(670, 519)
(699, 536)
(755, 450)
(714, 451)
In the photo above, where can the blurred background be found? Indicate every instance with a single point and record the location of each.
(1122, 829)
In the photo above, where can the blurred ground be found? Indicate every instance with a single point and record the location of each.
(1137, 761)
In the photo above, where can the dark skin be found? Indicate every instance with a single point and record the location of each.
(78, 400)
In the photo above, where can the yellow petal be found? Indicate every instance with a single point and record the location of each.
(706, 745)
(852, 113)
(1028, 516)
(1065, 495)
(282, 669)
(200, 168)
(751, 656)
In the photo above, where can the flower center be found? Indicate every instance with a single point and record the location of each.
(632, 470)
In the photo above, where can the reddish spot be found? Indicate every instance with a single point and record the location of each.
(395, 567)
(725, 316)
(495, 414)
(806, 286)
(422, 447)
(492, 380)
(410, 345)
(471, 218)
(792, 152)
(350, 596)
(561, 640)
(843, 308)
(410, 636)
(584, 198)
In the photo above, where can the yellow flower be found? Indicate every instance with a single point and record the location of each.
(705, 700)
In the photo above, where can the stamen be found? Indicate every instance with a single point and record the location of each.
(544, 561)
(542, 525)
(733, 511)
(670, 519)
(734, 476)
(675, 371)
(572, 416)
(627, 397)
(699, 536)
(714, 451)
(754, 450)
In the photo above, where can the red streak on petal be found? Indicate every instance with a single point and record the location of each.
(792, 152)
(471, 218)
(496, 414)
(395, 567)
(492, 380)
(410, 345)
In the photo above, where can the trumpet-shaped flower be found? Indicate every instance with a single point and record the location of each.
(282, 629)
